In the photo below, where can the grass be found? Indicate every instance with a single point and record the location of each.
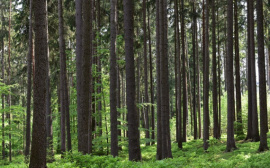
(192, 155)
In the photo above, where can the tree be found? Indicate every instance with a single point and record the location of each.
(133, 137)
(113, 80)
(38, 148)
(239, 127)
(185, 94)
(206, 122)
(164, 81)
(159, 132)
(230, 80)
(262, 81)
(255, 130)
(3, 78)
(8, 82)
(146, 97)
(214, 70)
(29, 83)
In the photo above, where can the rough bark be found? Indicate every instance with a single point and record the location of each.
(230, 80)
(262, 81)
(113, 81)
(38, 148)
(133, 137)
(159, 135)
(3, 95)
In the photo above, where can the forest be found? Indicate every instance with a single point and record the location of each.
(134, 83)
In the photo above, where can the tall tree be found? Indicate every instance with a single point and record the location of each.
(206, 122)
(159, 132)
(133, 137)
(185, 94)
(164, 81)
(113, 80)
(255, 129)
(146, 97)
(63, 82)
(29, 83)
(3, 95)
(239, 129)
(8, 82)
(262, 81)
(38, 148)
(230, 80)
(214, 71)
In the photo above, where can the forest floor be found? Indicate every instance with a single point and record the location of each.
(192, 155)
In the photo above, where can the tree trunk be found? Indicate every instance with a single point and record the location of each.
(214, 71)
(199, 83)
(133, 137)
(159, 132)
(230, 80)
(3, 95)
(113, 81)
(255, 130)
(151, 80)
(8, 82)
(239, 128)
(206, 122)
(147, 134)
(262, 81)
(38, 148)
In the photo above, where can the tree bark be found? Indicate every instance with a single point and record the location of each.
(262, 80)
(3, 95)
(8, 82)
(113, 81)
(133, 137)
(230, 80)
(38, 148)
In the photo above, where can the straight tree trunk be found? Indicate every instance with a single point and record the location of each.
(255, 130)
(151, 80)
(230, 80)
(185, 94)
(49, 129)
(8, 82)
(219, 83)
(249, 130)
(262, 80)
(147, 134)
(133, 137)
(239, 128)
(194, 69)
(159, 126)
(214, 71)
(164, 81)
(206, 122)
(113, 80)
(3, 95)
(199, 84)
(38, 148)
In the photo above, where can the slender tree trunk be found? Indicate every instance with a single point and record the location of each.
(206, 122)
(38, 148)
(113, 80)
(249, 130)
(134, 142)
(185, 94)
(8, 74)
(159, 132)
(3, 95)
(255, 130)
(230, 80)
(219, 83)
(199, 83)
(151, 79)
(262, 81)
(194, 69)
(49, 129)
(239, 128)
(214, 71)
(147, 134)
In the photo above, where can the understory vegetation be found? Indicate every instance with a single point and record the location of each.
(192, 155)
